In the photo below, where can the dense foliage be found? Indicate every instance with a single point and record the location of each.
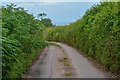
(22, 39)
(47, 22)
(97, 34)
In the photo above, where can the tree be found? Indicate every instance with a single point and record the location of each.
(41, 15)
(47, 22)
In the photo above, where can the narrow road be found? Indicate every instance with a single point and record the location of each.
(52, 64)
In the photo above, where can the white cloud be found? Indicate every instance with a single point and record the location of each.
(51, 0)
(24, 4)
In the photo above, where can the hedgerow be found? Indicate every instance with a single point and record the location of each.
(97, 34)
(22, 39)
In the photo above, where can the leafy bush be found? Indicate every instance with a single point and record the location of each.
(22, 39)
(97, 34)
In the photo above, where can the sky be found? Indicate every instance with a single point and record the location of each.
(61, 13)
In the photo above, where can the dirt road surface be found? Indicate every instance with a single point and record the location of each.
(50, 65)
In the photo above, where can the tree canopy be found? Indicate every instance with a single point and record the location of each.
(47, 22)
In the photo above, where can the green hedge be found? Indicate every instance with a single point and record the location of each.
(22, 39)
(97, 34)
